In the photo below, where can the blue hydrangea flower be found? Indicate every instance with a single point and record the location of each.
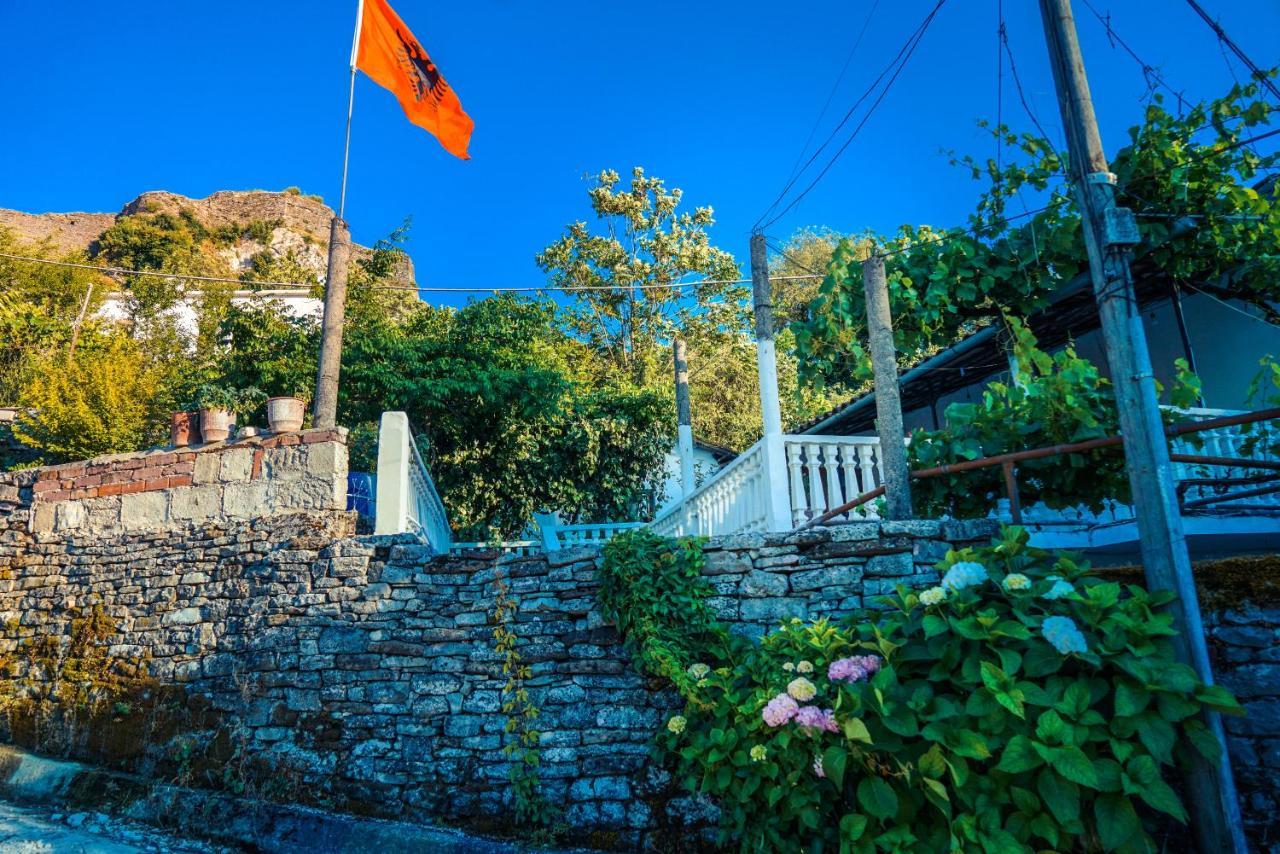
(1059, 589)
(964, 574)
(1065, 636)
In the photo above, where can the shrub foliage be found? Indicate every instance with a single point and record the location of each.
(1025, 704)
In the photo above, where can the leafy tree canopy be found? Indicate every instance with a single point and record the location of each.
(508, 427)
(1189, 179)
(624, 276)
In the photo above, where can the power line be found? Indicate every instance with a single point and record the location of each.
(834, 88)
(788, 256)
(1262, 77)
(1022, 97)
(430, 289)
(1148, 70)
(900, 60)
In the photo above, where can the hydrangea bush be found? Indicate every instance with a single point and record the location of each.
(1024, 704)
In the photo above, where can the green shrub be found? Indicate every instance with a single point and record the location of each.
(102, 400)
(1023, 705)
(1052, 400)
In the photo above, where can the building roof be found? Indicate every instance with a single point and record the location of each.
(1071, 312)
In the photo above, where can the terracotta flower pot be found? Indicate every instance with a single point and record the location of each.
(215, 424)
(284, 414)
(183, 428)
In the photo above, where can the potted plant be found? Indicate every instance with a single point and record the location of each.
(218, 406)
(183, 428)
(286, 412)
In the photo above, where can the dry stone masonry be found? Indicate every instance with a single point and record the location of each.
(359, 673)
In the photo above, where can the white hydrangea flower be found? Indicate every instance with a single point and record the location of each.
(1065, 636)
(964, 574)
(1016, 581)
(1060, 588)
(933, 596)
(801, 689)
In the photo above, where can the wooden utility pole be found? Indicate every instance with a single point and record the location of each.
(1108, 231)
(777, 490)
(325, 411)
(884, 366)
(684, 418)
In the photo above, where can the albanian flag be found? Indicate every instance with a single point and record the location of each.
(390, 54)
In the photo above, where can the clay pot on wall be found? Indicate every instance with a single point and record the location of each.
(215, 424)
(284, 414)
(184, 427)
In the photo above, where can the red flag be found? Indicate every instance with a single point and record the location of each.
(390, 54)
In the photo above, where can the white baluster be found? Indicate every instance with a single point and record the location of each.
(849, 467)
(795, 477)
(866, 466)
(817, 500)
(831, 465)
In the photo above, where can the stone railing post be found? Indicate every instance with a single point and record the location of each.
(392, 508)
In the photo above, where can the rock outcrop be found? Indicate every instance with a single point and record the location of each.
(300, 225)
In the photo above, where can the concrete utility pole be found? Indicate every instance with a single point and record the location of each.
(884, 366)
(325, 411)
(684, 418)
(1211, 801)
(777, 491)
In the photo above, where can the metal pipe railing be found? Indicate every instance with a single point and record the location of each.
(1074, 448)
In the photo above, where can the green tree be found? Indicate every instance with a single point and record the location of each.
(269, 348)
(39, 304)
(102, 400)
(1202, 221)
(623, 276)
(508, 427)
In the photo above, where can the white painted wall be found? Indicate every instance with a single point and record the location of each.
(296, 303)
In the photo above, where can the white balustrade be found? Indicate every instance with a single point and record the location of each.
(732, 501)
(407, 498)
(824, 472)
(520, 548)
(827, 471)
(1244, 441)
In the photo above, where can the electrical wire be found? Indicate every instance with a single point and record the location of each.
(1226, 304)
(1261, 76)
(900, 60)
(429, 289)
(834, 88)
(1148, 70)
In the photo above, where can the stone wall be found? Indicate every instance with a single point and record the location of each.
(1245, 642)
(359, 673)
(363, 668)
(152, 490)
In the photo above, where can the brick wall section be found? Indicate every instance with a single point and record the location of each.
(259, 476)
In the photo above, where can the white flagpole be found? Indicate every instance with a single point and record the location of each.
(351, 101)
(325, 410)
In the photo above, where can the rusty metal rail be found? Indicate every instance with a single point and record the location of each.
(1010, 460)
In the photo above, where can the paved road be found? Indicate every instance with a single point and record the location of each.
(40, 831)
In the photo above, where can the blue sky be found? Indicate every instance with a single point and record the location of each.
(104, 101)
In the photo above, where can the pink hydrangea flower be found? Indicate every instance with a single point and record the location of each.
(854, 668)
(814, 718)
(779, 710)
